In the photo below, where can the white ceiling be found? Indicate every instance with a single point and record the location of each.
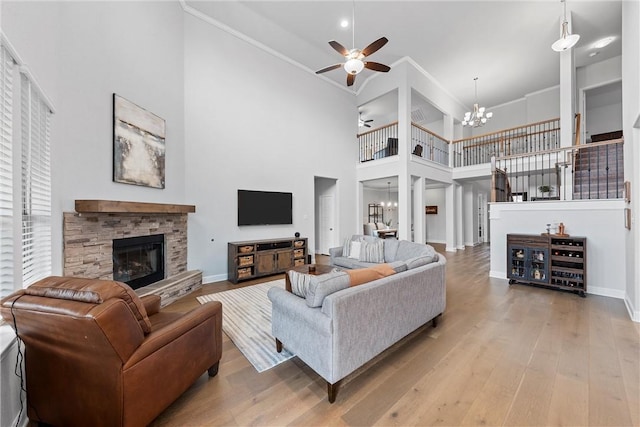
(506, 44)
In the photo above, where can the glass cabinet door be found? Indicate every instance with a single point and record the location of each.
(538, 263)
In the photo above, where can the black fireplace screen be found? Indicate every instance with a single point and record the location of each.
(138, 261)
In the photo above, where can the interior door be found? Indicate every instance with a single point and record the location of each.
(326, 223)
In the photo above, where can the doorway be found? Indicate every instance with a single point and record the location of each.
(325, 214)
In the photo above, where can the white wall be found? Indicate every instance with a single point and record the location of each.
(83, 52)
(268, 127)
(603, 228)
(532, 108)
(436, 224)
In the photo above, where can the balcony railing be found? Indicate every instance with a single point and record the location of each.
(383, 142)
(589, 171)
(379, 143)
(531, 138)
(429, 145)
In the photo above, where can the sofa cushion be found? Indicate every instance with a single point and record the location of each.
(398, 266)
(418, 261)
(390, 249)
(408, 250)
(372, 251)
(364, 275)
(325, 284)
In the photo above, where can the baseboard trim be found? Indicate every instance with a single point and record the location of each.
(215, 278)
(634, 314)
(605, 292)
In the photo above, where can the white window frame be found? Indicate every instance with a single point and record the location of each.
(29, 241)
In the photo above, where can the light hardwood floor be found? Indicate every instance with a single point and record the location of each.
(501, 355)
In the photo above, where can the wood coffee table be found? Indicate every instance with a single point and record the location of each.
(306, 269)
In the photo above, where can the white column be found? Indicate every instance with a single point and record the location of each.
(419, 216)
(450, 228)
(567, 94)
(459, 210)
(404, 180)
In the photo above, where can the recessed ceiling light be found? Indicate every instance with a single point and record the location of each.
(592, 54)
(603, 42)
(344, 23)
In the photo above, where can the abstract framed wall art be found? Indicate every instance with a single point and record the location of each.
(138, 145)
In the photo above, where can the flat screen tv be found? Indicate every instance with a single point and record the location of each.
(264, 207)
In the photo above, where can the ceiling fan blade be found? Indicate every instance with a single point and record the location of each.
(337, 46)
(367, 126)
(376, 66)
(374, 46)
(332, 67)
(350, 79)
(367, 121)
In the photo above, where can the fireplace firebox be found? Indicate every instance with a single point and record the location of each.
(138, 261)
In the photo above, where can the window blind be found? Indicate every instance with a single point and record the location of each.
(36, 184)
(6, 173)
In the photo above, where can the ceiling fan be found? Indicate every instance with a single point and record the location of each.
(355, 58)
(364, 123)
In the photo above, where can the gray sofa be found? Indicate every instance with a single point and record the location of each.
(336, 329)
(395, 251)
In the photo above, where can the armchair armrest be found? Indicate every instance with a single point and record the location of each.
(151, 304)
(168, 333)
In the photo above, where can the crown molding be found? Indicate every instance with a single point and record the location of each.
(241, 36)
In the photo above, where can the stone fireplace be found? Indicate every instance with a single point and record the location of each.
(89, 235)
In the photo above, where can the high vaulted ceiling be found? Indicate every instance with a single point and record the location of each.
(506, 44)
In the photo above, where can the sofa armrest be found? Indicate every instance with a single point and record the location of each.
(211, 311)
(294, 308)
(151, 304)
(335, 253)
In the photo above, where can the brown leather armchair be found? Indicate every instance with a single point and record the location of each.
(97, 354)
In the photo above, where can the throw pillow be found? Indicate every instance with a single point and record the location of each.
(363, 275)
(299, 283)
(354, 250)
(346, 247)
(372, 251)
(325, 284)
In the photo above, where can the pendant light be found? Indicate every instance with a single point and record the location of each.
(566, 40)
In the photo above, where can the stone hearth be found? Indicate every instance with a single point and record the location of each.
(88, 241)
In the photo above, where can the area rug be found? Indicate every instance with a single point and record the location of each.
(246, 319)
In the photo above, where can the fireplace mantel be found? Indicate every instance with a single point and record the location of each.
(114, 206)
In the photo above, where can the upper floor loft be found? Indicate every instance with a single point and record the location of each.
(524, 163)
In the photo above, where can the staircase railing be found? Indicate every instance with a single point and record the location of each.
(429, 145)
(531, 138)
(588, 171)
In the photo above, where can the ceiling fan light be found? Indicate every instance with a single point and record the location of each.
(353, 66)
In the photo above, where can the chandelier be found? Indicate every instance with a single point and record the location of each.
(477, 117)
